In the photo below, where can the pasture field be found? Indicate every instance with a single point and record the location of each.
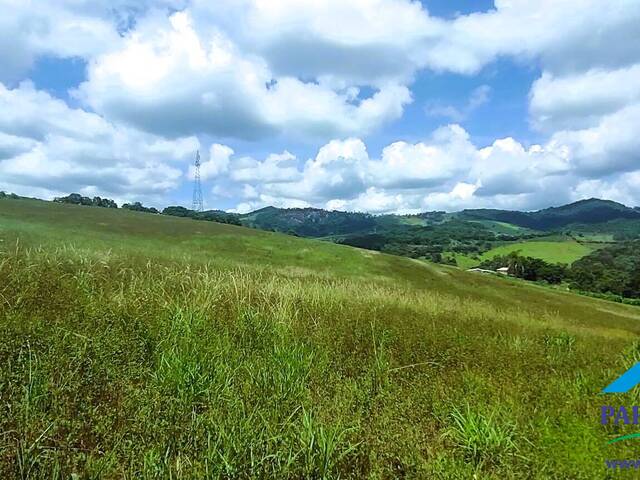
(463, 261)
(503, 227)
(142, 346)
(562, 251)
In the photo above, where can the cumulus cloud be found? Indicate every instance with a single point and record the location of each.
(331, 71)
(64, 29)
(374, 200)
(611, 146)
(216, 164)
(276, 168)
(343, 169)
(360, 42)
(46, 145)
(582, 100)
(260, 69)
(447, 171)
(565, 35)
(421, 165)
(228, 93)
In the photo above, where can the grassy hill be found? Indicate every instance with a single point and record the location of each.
(551, 249)
(468, 236)
(566, 251)
(143, 346)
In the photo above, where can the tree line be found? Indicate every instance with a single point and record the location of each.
(612, 271)
(176, 211)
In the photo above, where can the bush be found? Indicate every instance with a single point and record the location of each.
(138, 207)
(210, 215)
(77, 199)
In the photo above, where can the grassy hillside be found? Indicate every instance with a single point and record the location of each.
(504, 228)
(566, 251)
(554, 249)
(143, 346)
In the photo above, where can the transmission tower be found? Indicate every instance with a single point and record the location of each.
(197, 187)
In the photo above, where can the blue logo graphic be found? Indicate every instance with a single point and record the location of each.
(622, 415)
(625, 382)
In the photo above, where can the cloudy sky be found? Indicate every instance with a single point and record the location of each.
(370, 105)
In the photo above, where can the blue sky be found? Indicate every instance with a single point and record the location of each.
(379, 105)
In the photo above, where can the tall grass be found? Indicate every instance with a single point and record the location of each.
(482, 438)
(118, 363)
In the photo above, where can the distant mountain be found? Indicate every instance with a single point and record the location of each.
(437, 235)
(588, 211)
(315, 222)
(521, 219)
(309, 222)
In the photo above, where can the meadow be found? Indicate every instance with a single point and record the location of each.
(551, 250)
(142, 346)
(563, 251)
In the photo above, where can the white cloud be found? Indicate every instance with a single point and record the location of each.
(303, 69)
(623, 188)
(259, 69)
(216, 164)
(611, 146)
(449, 172)
(64, 28)
(55, 149)
(446, 155)
(12, 145)
(343, 170)
(275, 169)
(565, 35)
(169, 80)
(337, 171)
(582, 100)
(373, 200)
(359, 42)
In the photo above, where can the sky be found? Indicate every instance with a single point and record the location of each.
(384, 106)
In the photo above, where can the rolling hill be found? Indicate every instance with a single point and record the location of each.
(140, 345)
(315, 222)
(464, 237)
(588, 211)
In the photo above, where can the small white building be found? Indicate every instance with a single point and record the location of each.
(503, 270)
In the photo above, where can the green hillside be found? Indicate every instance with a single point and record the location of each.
(588, 211)
(504, 228)
(566, 251)
(136, 345)
(468, 236)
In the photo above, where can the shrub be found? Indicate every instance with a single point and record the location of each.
(138, 207)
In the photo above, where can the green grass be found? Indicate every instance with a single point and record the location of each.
(416, 221)
(595, 237)
(564, 251)
(142, 346)
(503, 227)
(462, 260)
(482, 438)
